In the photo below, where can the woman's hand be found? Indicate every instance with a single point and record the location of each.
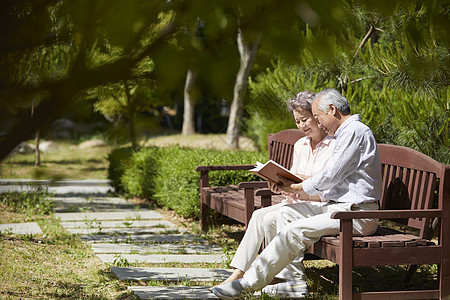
(290, 186)
(274, 187)
(287, 185)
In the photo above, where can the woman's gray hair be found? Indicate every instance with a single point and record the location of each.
(303, 100)
(332, 96)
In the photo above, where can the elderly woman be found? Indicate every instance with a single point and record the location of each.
(311, 153)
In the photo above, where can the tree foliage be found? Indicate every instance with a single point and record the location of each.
(52, 53)
(393, 68)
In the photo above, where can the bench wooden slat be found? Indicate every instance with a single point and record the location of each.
(390, 238)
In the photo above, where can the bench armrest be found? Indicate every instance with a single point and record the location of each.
(224, 168)
(387, 214)
(265, 192)
(252, 185)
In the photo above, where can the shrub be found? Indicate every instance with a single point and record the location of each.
(118, 161)
(178, 184)
(139, 175)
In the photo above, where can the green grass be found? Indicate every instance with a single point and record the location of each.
(69, 162)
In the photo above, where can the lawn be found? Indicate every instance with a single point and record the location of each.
(72, 162)
(68, 162)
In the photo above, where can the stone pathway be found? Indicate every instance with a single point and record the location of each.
(121, 234)
(21, 228)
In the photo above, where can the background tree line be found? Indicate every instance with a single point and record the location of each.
(390, 59)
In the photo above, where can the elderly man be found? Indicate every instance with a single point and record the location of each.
(351, 180)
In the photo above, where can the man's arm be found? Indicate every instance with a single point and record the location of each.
(344, 161)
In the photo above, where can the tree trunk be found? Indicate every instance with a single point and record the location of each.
(131, 115)
(189, 104)
(247, 51)
(132, 132)
(37, 158)
(37, 161)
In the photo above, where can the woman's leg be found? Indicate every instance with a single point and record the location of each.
(289, 243)
(251, 242)
(296, 269)
(270, 225)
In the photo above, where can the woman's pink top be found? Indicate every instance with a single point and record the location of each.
(307, 161)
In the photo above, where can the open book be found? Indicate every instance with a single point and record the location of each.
(271, 170)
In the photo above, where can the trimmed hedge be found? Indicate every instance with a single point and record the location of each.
(168, 175)
(140, 173)
(118, 161)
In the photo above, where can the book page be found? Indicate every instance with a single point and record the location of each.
(271, 170)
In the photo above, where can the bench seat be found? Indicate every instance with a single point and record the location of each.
(228, 200)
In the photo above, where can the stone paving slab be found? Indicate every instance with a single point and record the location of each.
(172, 274)
(91, 204)
(60, 190)
(156, 248)
(67, 182)
(80, 190)
(108, 231)
(93, 199)
(143, 214)
(172, 292)
(163, 258)
(117, 224)
(21, 228)
(142, 238)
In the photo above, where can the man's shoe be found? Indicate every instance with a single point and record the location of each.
(289, 289)
(230, 290)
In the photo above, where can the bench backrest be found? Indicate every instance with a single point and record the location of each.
(410, 181)
(410, 178)
(281, 146)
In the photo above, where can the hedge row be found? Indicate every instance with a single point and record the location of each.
(167, 175)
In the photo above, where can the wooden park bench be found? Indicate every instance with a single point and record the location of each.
(416, 193)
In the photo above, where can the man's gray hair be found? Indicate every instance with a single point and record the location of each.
(332, 96)
(303, 100)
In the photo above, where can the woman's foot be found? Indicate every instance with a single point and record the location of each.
(237, 274)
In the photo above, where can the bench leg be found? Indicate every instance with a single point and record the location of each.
(346, 260)
(249, 195)
(204, 209)
(204, 215)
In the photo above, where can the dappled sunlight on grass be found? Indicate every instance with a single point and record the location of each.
(69, 162)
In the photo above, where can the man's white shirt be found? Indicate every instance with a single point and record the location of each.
(353, 174)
